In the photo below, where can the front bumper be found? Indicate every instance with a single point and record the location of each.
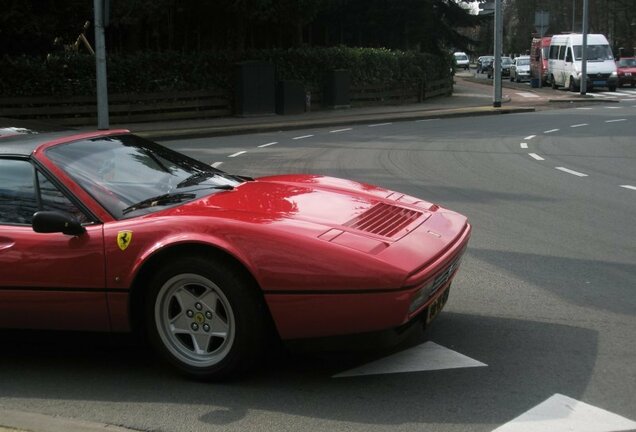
(307, 314)
(593, 81)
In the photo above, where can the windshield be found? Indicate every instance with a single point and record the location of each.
(130, 176)
(461, 57)
(627, 62)
(506, 61)
(523, 61)
(594, 52)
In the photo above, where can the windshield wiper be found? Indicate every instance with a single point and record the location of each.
(168, 198)
(195, 179)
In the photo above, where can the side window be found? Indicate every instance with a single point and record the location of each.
(554, 50)
(562, 52)
(19, 194)
(52, 198)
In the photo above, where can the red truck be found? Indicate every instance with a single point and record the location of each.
(539, 58)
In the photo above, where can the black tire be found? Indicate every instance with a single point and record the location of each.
(196, 301)
(572, 87)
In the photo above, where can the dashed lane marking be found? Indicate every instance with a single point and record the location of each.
(535, 156)
(425, 357)
(561, 413)
(550, 131)
(579, 125)
(216, 164)
(628, 187)
(268, 144)
(569, 171)
(379, 124)
(425, 120)
(613, 107)
(524, 145)
(302, 137)
(529, 137)
(237, 154)
(584, 108)
(615, 120)
(340, 130)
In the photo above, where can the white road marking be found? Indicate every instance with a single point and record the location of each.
(425, 357)
(615, 120)
(528, 95)
(579, 125)
(302, 137)
(613, 107)
(340, 130)
(524, 145)
(623, 94)
(535, 156)
(529, 137)
(615, 93)
(584, 108)
(628, 187)
(561, 413)
(216, 164)
(425, 120)
(237, 154)
(268, 144)
(569, 171)
(550, 131)
(379, 124)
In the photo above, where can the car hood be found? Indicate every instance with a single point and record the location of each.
(322, 200)
(357, 215)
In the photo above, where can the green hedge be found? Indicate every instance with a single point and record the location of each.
(74, 74)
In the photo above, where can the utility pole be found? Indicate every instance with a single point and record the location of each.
(100, 65)
(497, 61)
(584, 49)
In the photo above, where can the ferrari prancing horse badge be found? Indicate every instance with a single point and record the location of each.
(123, 239)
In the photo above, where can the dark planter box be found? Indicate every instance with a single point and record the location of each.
(255, 88)
(336, 89)
(290, 97)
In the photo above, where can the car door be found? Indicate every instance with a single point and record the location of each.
(53, 280)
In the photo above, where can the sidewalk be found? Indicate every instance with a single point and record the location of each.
(18, 421)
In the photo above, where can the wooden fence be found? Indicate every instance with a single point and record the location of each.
(123, 108)
(132, 108)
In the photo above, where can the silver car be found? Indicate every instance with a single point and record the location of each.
(520, 70)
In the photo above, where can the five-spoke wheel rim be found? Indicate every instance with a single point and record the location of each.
(194, 320)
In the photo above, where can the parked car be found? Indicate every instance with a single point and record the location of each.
(565, 62)
(483, 63)
(506, 64)
(626, 69)
(107, 231)
(520, 69)
(461, 60)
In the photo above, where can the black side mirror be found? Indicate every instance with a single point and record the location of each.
(56, 222)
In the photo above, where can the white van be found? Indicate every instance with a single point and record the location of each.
(564, 62)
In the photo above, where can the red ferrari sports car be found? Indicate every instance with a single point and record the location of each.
(107, 231)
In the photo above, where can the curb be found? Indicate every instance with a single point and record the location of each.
(19, 421)
(339, 121)
(584, 99)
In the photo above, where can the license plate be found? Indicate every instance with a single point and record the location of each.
(436, 307)
(628, 74)
(599, 83)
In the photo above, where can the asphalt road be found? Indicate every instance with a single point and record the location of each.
(544, 300)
